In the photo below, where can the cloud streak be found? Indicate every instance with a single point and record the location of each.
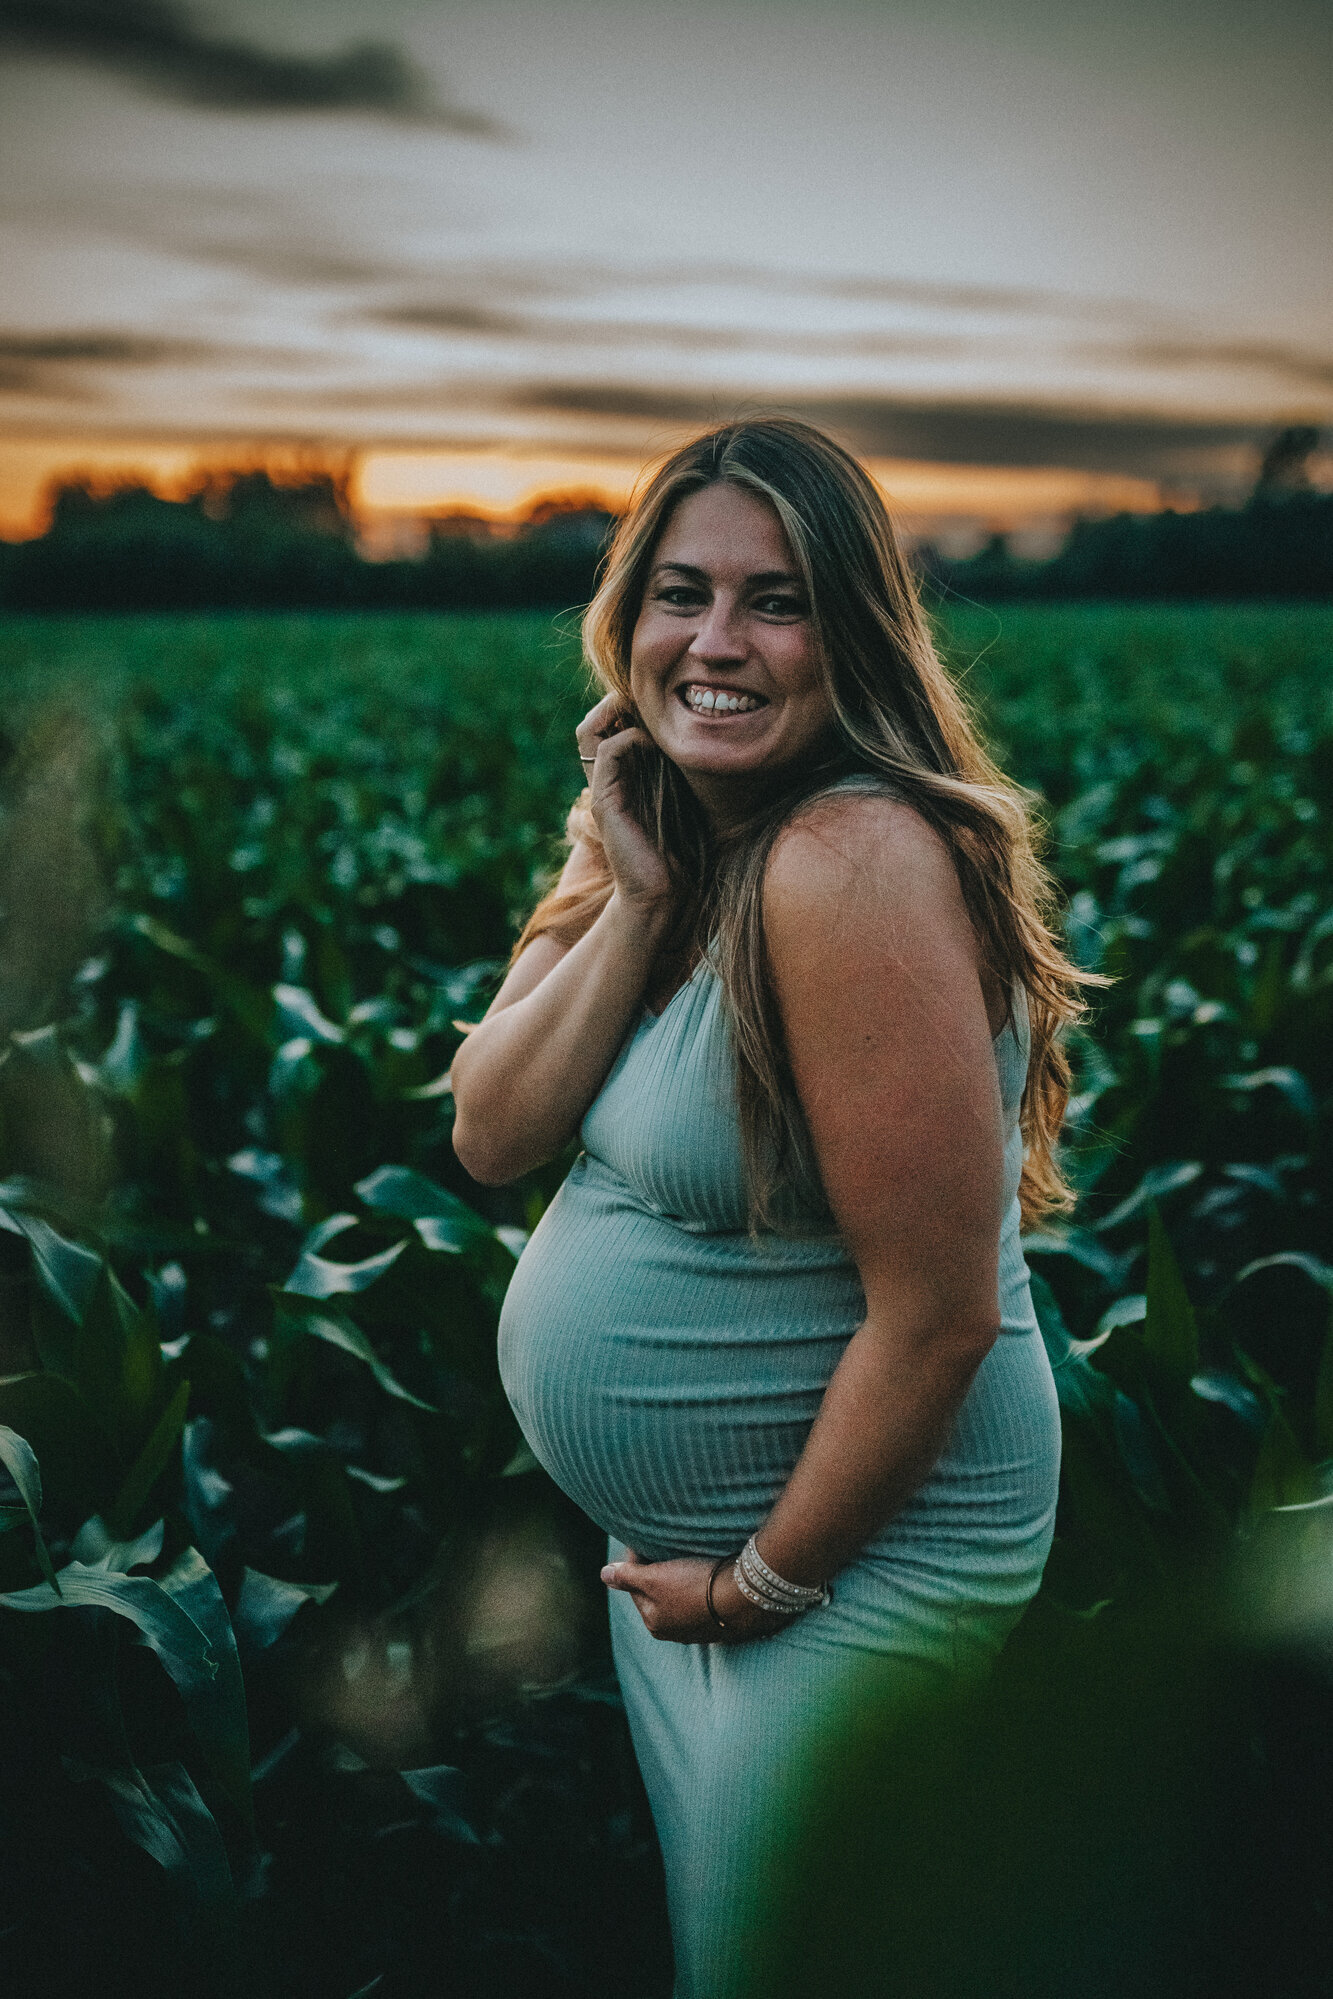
(960, 432)
(1310, 371)
(158, 44)
(55, 366)
(1270, 357)
(464, 320)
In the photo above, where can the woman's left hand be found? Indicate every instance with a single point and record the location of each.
(671, 1598)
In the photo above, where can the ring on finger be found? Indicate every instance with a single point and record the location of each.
(587, 760)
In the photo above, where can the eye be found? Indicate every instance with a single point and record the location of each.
(679, 594)
(779, 604)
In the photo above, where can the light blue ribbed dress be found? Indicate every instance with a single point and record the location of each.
(665, 1367)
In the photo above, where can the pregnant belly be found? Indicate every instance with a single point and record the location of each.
(667, 1379)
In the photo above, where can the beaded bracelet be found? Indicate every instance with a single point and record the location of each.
(774, 1592)
(762, 1602)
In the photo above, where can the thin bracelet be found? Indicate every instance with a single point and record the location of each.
(713, 1573)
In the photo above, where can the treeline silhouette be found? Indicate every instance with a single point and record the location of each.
(259, 539)
(1268, 548)
(1279, 544)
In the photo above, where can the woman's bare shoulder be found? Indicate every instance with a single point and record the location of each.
(858, 846)
(864, 920)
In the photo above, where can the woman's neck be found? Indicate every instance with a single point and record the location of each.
(732, 803)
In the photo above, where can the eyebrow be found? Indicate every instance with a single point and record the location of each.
(764, 576)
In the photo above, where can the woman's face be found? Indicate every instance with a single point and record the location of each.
(723, 668)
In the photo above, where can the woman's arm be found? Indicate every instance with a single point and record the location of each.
(528, 1071)
(876, 968)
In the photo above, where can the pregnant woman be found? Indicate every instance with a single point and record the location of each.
(795, 993)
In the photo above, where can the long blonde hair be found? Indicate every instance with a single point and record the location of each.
(901, 721)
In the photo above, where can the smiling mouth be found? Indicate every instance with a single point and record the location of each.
(705, 698)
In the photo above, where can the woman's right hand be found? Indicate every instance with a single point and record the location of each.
(606, 736)
(525, 1076)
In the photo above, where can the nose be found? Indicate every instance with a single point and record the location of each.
(720, 637)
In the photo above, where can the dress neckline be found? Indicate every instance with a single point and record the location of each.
(662, 1012)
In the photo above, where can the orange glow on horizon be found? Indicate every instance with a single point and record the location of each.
(497, 485)
(388, 485)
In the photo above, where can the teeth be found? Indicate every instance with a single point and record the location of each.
(706, 698)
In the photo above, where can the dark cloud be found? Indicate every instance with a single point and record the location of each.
(574, 278)
(49, 364)
(926, 294)
(1280, 362)
(66, 366)
(259, 237)
(159, 44)
(429, 317)
(120, 349)
(638, 334)
(1008, 299)
(957, 433)
(1269, 357)
(282, 257)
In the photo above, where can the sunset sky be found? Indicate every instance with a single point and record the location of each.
(1028, 257)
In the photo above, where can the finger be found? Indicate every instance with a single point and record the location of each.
(643, 1603)
(624, 1575)
(607, 756)
(629, 1561)
(601, 711)
(600, 719)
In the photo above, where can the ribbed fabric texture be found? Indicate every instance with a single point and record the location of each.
(666, 1366)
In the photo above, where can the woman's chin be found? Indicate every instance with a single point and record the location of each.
(721, 756)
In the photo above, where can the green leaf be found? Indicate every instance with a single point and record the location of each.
(266, 1605)
(162, 1812)
(439, 1086)
(162, 1624)
(1319, 1272)
(1214, 1384)
(1323, 1398)
(67, 1270)
(19, 1460)
(298, 1016)
(339, 1331)
(1131, 1310)
(147, 1468)
(411, 1197)
(440, 1787)
(1106, 1508)
(159, 1809)
(215, 1709)
(1170, 1334)
(98, 1548)
(252, 1006)
(1082, 1390)
(376, 1481)
(317, 1276)
(1283, 1475)
(1157, 1182)
(126, 1058)
(117, 1361)
(522, 1461)
(79, 1469)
